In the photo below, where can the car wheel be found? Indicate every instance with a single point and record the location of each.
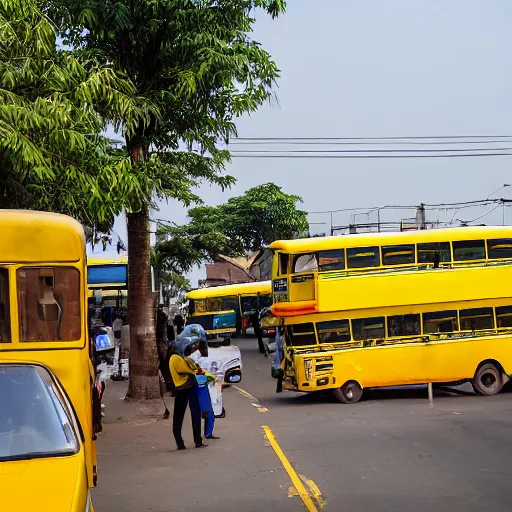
(350, 393)
(488, 380)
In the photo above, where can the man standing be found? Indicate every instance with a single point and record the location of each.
(185, 394)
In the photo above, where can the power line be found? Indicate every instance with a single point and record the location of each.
(344, 156)
(361, 143)
(364, 151)
(422, 137)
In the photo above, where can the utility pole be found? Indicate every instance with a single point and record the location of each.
(420, 217)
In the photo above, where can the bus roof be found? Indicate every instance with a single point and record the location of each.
(121, 260)
(32, 236)
(231, 289)
(303, 245)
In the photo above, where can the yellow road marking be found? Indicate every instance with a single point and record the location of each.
(260, 407)
(294, 477)
(315, 491)
(256, 402)
(245, 393)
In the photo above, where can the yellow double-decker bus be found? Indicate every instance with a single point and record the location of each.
(439, 311)
(375, 269)
(49, 407)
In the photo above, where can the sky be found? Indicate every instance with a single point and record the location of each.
(378, 69)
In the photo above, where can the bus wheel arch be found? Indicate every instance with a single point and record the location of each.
(489, 378)
(349, 393)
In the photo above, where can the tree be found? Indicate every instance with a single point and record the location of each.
(254, 220)
(195, 69)
(173, 285)
(51, 154)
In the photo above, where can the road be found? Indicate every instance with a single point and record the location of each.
(390, 452)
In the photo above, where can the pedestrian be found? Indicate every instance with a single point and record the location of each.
(209, 418)
(179, 323)
(184, 379)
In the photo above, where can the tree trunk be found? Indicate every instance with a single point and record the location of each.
(144, 383)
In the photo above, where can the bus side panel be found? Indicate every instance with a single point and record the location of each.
(436, 361)
(417, 287)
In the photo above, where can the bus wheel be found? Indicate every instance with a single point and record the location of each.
(350, 393)
(488, 380)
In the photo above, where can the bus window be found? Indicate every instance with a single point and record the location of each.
(283, 264)
(5, 328)
(440, 321)
(198, 306)
(398, 255)
(404, 325)
(466, 250)
(476, 319)
(331, 260)
(305, 263)
(49, 303)
(214, 304)
(434, 252)
(361, 257)
(334, 331)
(368, 328)
(499, 248)
(249, 304)
(228, 303)
(504, 317)
(301, 334)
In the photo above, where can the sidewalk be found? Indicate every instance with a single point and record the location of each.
(140, 470)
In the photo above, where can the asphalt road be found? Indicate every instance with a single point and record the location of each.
(390, 452)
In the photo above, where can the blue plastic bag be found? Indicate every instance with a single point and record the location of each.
(205, 402)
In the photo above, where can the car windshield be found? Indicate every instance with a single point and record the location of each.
(34, 420)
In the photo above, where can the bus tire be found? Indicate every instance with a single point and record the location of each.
(488, 380)
(350, 393)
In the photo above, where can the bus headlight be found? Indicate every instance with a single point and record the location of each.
(308, 366)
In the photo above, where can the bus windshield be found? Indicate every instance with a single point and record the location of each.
(34, 420)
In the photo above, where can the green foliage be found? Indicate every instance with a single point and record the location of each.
(249, 222)
(195, 70)
(174, 284)
(254, 220)
(51, 154)
(183, 247)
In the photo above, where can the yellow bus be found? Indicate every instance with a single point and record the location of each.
(372, 310)
(221, 309)
(388, 269)
(349, 351)
(48, 423)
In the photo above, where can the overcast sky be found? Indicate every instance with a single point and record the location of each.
(375, 69)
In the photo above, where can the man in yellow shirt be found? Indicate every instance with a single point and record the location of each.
(186, 394)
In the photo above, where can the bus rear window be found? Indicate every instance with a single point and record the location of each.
(436, 252)
(467, 250)
(301, 334)
(331, 260)
(361, 257)
(49, 303)
(404, 325)
(499, 248)
(334, 331)
(368, 328)
(5, 327)
(398, 255)
(504, 317)
(476, 319)
(305, 263)
(440, 321)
